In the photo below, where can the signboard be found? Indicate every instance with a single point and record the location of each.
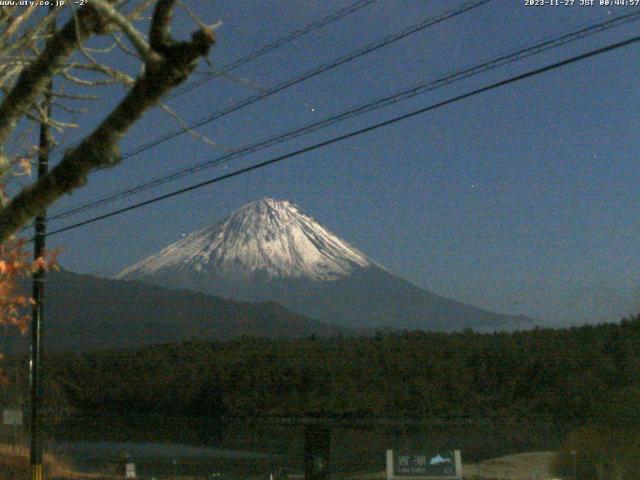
(316, 453)
(444, 464)
(12, 417)
(130, 470)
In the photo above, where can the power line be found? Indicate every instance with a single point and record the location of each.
(311, 27)
(312, 73)
(309, 74)
(404, 94)
(361, 131)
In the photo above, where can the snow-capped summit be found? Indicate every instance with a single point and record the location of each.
(269, 250)
(268, 237)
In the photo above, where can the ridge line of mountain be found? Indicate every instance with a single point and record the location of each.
(271, 250)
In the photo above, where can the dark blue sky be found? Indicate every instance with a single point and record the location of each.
(520, 200)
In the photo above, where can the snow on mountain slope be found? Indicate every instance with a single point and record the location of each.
(269, 250)
(270, 237)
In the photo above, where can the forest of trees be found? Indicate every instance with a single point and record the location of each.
(590, 372)
(587, 377)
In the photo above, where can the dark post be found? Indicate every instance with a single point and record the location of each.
(317, 441)
(38, 290)
(36, 323)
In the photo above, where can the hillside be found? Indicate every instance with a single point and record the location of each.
(85, 313)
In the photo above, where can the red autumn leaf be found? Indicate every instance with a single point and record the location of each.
(39, 264)
(25, 166)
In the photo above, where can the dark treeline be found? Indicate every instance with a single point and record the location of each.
(585, 380)
(590, 372)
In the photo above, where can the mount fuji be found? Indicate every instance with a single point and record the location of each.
(270, 250)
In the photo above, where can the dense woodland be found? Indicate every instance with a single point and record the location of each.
(588, 377)
(589, 373)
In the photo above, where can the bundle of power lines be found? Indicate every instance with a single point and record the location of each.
(395, 97)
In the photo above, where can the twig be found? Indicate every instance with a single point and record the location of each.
(134, 36)
(100, 148)
(194, 133)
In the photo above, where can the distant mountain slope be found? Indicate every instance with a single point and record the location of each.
(266, 238)
(85, 312)
(271, 250)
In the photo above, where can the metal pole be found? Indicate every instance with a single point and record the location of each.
(573, 454)
(38, 291)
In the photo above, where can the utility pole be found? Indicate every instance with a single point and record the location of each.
(38, 287)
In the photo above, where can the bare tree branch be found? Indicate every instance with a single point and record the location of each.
(105, 70)
(75, 96)
(139, 10)
(34, 78)
(100, 148)
(241, 80)
(134, 36)
(94, 83)
(70, 110)
(123, 47)
(160, 35)
(194, 133)
(15, 22)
